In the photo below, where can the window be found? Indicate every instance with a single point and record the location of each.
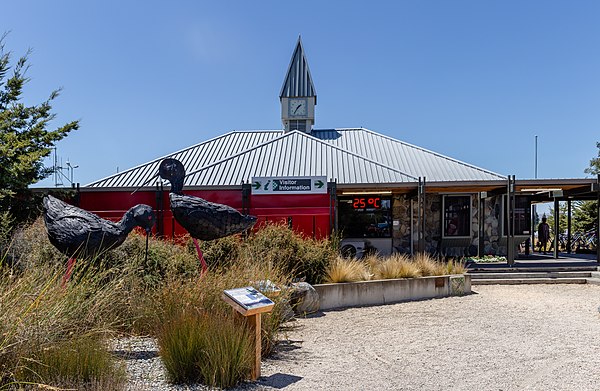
(522, 215)
(457, 216)
(298, 125)
(365, 216)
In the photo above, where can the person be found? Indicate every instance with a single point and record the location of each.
(543, 234)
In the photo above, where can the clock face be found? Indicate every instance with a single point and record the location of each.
(298, 107)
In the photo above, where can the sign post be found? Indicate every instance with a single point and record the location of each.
(250, 303)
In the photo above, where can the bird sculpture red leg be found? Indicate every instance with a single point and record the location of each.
(70, 266)
(200, 257)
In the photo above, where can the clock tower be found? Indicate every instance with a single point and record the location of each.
(298, 96)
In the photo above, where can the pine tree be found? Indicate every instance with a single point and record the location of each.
(24, 137)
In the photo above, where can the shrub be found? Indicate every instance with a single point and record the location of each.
(301, 257)
(221, 253)
(347, 270)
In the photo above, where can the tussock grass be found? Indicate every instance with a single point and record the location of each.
(199, 338)
(38, 318)
(456, 267)
(396, 266)
(78, 362)
(198, 347)
(428, 265)
(347, 270)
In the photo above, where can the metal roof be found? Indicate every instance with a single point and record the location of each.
(193, 158)
(298, 81)
(296, 154)
(409, 159)
(351, 156)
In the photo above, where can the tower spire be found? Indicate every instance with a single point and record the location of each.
(298, 95)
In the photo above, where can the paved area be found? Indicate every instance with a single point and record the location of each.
(542, 337)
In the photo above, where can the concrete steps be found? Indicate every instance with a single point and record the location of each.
(524, 275)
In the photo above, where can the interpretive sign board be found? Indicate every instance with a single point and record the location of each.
(249, 300)
(289, 185)
(250, 303)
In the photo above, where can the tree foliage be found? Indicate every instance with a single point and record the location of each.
(594, 167)
(585, 213)
(25, 139)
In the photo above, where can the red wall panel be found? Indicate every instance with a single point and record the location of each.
(309, 213)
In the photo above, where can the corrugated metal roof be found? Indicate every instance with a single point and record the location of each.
(193, 158)
(295, 154)
(352, 156)
(407, 158)
(298, 81)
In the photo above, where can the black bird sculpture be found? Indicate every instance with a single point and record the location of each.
(77, 233)
(204, 220)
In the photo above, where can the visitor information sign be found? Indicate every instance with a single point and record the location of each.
(289, 185)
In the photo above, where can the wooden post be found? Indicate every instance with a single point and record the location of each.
(251, 311)
(254, 322)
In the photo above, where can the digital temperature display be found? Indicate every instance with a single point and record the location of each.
(366, 202)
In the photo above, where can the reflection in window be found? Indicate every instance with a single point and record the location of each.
(365, 217)
(457, 215)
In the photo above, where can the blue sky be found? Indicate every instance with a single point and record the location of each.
(474, 80)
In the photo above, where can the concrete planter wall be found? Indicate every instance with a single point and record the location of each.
(378, 292)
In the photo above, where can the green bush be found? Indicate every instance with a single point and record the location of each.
(221, 253)
(303, 258)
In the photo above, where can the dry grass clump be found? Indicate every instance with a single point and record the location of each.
(347, 270)
(456, 267)
(428, 265)
(396, 266)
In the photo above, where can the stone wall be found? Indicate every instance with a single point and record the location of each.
(494, 242)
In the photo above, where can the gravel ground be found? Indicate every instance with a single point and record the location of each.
(523, 337)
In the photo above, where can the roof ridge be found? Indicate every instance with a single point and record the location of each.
(429, 151)
(161, 158)
(284, 134)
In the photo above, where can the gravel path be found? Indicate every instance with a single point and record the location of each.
(524, 337)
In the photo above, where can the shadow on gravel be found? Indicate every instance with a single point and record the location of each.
(278, 380)
(138, 355)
